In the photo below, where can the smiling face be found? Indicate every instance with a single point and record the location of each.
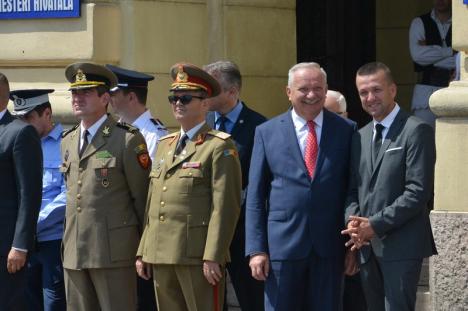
(377, 94)
(307, 92)
(192, 113)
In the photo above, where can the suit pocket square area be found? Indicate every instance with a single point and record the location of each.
(393, 149)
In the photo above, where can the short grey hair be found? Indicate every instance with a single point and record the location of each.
(339, 98)
(226, 72)
(309, 65)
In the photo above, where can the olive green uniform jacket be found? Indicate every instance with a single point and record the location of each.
(106, 196)
(193, 202)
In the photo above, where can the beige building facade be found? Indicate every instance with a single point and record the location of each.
(260, 36)
(150, 36)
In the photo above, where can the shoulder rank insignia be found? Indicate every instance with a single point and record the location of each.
(142, 156)
(66, 132)
(219, 134)
(172, 135)
(158, 123)
(127, 127)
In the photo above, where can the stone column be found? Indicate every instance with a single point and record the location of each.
(449, 270)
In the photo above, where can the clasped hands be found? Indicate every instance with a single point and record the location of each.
(360, 232)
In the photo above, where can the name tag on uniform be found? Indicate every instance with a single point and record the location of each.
(191, 165)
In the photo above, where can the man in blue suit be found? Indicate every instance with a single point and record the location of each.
(21, 184)
(295, 200)
(229, 114)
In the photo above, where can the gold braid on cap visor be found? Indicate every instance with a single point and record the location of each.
(188, 86)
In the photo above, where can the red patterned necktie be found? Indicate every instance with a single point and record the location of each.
(311, 149)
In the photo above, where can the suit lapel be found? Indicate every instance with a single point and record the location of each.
(99, 138)
(392, 133)
(366, 138)
(241, 121)
(325, 141)
(290, 140)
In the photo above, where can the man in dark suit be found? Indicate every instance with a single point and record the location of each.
(21, 184)
(295, 200)
(229, 114)
(392, 173)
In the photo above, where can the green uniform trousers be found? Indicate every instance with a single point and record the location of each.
(102, 289)
(184, 288)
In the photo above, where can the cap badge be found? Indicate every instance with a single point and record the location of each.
(19, 101)
(80, 76)
(182, 76)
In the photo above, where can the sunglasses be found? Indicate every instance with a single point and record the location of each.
(184, 99)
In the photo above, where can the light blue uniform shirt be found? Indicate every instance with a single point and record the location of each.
(52, 213)
(231, 118)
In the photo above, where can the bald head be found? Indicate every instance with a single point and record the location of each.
(335, 102)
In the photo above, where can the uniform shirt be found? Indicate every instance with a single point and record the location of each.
(152, 130)
(302, 129)
(190, 133)
(231, 117)
(52, 213)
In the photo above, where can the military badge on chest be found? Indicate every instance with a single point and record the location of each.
(103, 172)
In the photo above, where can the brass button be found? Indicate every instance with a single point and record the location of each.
(161, 218)
(78, 196)
(80, 169)
(78, 209)
(163, 203)
(164, 189)
(190, 174)
(168, 175)
(79, 182)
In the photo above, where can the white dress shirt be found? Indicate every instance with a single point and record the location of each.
(150, 131)
(302, 129)
(387, 122)
(91, 130)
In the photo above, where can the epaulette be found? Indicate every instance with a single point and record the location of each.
(157, 123)
(169, 136)
(219, 134)
(127, 127)
(66, 132)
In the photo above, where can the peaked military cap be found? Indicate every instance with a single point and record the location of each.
(188, 77)
(89, 75)
(26, 100)
(129, 78)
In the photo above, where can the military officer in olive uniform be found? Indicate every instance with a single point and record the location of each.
(193, 203)
(106, 167)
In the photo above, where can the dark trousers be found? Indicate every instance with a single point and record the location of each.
(353, 294)
(12, 288)
(390, 285)
(45, 288)
(146, 297)
(311, 284)
(248, 290)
